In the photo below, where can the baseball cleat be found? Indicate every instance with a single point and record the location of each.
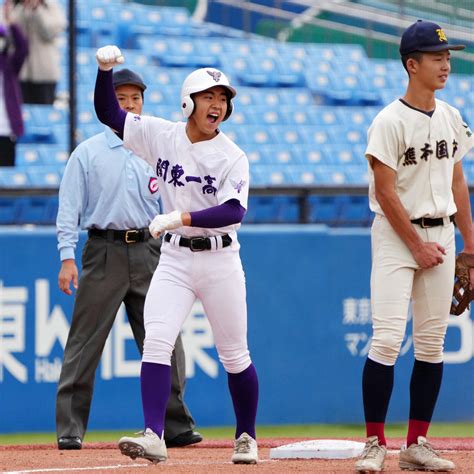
(422, 457)
(372, 457)
(148, 446)
(245, 450)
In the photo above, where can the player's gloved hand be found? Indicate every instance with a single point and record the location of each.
(463, 292)
(164, 222)
(108, 57)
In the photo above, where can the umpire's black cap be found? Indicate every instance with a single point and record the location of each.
(125, 76)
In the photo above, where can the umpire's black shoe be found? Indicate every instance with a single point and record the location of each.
(184, 439)
(70, 442)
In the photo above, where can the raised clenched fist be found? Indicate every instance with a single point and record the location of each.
(108, 57)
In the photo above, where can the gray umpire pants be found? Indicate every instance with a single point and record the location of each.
(112, 272)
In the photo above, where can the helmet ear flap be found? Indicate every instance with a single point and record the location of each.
(230, 109)
(187, 106)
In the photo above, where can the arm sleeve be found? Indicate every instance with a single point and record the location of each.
(228, 213)
(383, 142)
(236, 183)
(466, 138)
(106, 104)
(72, 202)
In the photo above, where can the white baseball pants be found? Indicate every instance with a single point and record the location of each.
(396, 278)
(217, 278)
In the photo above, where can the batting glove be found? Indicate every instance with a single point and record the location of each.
(164, 222)
(108, 57)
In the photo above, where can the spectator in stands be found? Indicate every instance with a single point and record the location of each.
(42, 21)
(13, 51)
(114, 195)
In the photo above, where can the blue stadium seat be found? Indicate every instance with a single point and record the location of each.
(258, 134)
(316, 136)
(53, 155)
(45, 176)
(312, 155)
(27, 154)
(8, 210)
(324, 209)
(37, 134)
(134, 20)
(287, 135)
(277, 154)
(13, 177)
(355, 210)
(357, 174)
(272, 209)
(38, 115)
(272, 175)
(31, 210)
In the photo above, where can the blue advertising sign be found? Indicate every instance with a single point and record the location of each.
(309, 332)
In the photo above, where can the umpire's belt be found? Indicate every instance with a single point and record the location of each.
(198, 244)
(426, 222)
(131, 236)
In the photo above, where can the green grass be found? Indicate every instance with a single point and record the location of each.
(277, 431)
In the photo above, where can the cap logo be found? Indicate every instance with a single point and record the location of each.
(216, 75)
(442, 35)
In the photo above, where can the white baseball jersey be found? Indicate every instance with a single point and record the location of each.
(423, 151)
(192, 176)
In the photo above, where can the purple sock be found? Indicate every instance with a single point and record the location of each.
(156, 387)
(244, 391)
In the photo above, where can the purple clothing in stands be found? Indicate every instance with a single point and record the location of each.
(106, 104)
(230, 212)
(10, 65)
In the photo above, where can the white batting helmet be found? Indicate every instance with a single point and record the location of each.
(201, 80)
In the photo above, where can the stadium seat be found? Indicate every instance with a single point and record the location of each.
(272, 209)
(324, 209)
(354, 210)
(33, 210)
(8, 210)
(45, 176)
(13, 177)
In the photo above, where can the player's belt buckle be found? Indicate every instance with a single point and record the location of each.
(423, 225)
(197, 244)
(131, 236)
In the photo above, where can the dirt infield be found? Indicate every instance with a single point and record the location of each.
(204, 458)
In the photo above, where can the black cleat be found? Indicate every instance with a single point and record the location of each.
(184, 439)
(70, 442)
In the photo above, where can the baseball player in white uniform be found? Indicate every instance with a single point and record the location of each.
(204, 184)
(417, 190)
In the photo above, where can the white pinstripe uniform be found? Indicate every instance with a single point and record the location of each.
(422, 150)
(192, 177)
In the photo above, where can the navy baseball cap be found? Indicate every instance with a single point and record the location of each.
(125, 76)
(426, 37)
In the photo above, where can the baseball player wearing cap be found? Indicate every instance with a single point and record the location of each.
(204, 183)
(417, 190)
(114, 195)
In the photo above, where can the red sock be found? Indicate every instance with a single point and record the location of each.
(416, 428)
(376, 429)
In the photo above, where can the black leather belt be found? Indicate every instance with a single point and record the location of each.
(198, 244)
(131, 236)
(426, 222)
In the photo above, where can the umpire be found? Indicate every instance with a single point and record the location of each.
(114, 195)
